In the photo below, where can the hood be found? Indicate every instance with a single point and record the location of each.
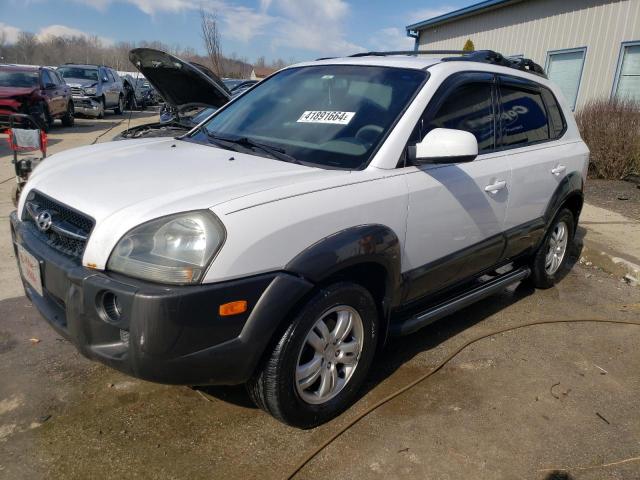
(159, 176)
(9, 92)
(180, 83)
(79, 82)
(124, 184)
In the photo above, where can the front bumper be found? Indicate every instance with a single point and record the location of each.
(86, 106)
(166, 334)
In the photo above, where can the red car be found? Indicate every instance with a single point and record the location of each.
(37, 91)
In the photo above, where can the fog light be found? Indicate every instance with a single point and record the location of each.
(111, 307)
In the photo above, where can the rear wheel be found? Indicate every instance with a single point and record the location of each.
(551, 258)
(68, 118)
(317, 366)
(120, 108)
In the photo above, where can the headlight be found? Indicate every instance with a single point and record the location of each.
(90, 90)
(175, 249)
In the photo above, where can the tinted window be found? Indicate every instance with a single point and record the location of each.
(47, 79)
(523, 116)
(556, 120)
(467, 107)
(334, 115)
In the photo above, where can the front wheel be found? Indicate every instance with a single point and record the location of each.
(551, 258)
(318, 364)
(101, 108)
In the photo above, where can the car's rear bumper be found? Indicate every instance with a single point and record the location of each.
(167, 334)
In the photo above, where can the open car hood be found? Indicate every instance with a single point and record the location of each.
(181, 84)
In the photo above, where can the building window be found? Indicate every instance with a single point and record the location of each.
(627, 83)
(564, 68)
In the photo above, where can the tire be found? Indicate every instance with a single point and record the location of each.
(102, 108)
(120, 108)
(276, 388)
(68, 119)
(547, 267)
(44, 118)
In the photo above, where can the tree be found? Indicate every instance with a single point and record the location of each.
(211, 38)
(468, 46)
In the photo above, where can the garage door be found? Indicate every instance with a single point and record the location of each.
(629, 73)
(565, 69)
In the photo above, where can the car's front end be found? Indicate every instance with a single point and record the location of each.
(85, 89)
(19, 93)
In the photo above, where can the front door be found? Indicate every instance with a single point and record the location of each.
(457, 211)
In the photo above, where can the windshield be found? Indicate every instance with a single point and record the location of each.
(18, 79)
(79, 72)
(333, 116)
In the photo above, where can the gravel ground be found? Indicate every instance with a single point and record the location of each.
(617, 195)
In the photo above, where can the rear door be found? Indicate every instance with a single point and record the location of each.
(457, 211)
(531, 127)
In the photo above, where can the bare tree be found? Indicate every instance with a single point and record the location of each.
(211, 38)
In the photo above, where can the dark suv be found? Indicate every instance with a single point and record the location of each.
(37, 91)
(95, 88)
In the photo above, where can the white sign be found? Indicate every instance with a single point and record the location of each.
(324, 116)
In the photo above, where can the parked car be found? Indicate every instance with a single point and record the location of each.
(36, 91)
(134, 91)
(95, 88)
(237, 86)
(191, 92)
(279, 245)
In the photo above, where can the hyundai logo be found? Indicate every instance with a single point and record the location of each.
(43, 221)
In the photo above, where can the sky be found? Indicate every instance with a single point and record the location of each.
(287, 29)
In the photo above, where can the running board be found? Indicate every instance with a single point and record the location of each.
(454, 304)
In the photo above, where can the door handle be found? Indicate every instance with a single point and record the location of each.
(494, 187)
(558, 170)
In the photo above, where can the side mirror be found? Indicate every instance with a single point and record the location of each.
(445, 145)
(105, 79)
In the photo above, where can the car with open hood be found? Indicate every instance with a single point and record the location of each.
(191, 93)
(281, 242)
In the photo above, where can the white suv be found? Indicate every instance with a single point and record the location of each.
(281, 241)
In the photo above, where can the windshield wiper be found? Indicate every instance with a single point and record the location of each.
(275, 152)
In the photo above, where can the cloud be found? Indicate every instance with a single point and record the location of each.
(64, 31)
(150, 7)
(243, 23)
(426, 13)
(315, 25)
(391, 38)
(10, 32)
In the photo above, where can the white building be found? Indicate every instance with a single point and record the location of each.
(590, 48)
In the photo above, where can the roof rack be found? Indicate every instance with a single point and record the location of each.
(482, 56)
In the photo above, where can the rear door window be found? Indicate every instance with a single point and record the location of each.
(523, 116)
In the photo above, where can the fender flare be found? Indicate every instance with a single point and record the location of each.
(372, 243)
(571, 186)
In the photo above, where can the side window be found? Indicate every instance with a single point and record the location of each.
(46, 79)
(114, 74)
(56, 78)
(523, 117)
(557, 122)
(468, 107)
(103, 74)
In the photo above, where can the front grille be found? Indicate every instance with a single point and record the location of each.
(77, 91)
(68, 230)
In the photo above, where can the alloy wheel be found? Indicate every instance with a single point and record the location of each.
(329, 355)
(557, 249)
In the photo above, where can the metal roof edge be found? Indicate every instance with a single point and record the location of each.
(462, 12)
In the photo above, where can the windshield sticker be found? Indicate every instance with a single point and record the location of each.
(323, 116)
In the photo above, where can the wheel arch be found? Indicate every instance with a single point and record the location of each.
(366, 254)
(568, 194)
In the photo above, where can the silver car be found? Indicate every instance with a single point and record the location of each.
(95, 88)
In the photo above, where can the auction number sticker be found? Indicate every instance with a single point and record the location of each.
(326, 116)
